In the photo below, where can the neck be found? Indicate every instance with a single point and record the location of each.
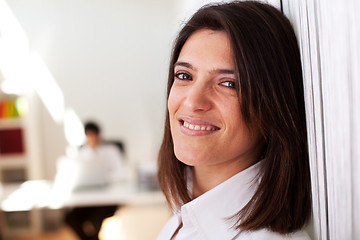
(208, 177)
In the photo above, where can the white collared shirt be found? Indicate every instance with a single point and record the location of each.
(208, 216)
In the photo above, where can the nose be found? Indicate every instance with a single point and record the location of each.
(198, 97)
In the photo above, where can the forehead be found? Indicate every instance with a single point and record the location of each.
(209, 47)
(90, 132)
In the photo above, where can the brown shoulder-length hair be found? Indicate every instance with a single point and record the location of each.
(268, 67)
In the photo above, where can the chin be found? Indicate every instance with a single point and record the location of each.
(189, 159)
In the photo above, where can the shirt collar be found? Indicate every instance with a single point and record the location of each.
(214, 209)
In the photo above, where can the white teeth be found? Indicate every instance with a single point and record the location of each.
(198, 127)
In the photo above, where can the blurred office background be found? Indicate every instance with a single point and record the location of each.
(75, 60)
(66, 62)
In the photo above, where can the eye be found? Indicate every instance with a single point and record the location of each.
(183, 76)
(229, 84)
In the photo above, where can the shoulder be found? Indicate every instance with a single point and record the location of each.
(108, 148)
(265, 234)
(169, 229)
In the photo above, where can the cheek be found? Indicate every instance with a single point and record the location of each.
(173, 102)
(230, 110)
(237, 129)
(248, 140)
(171, 105)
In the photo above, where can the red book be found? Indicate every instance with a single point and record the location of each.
(11, 141)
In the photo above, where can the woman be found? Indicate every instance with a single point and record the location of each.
(233, 163)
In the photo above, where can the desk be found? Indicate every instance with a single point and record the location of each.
(41, 194)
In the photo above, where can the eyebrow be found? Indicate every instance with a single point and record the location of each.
(188, 65)
(184, 64)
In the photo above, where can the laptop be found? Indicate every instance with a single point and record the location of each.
(81, 174)
(90, 173)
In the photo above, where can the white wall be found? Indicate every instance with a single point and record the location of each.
(329, 37)
(110, 60)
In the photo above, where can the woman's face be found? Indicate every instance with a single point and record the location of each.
(206, 123)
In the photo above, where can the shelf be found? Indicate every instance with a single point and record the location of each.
(12, 161)
(17, 121)
(7, 123)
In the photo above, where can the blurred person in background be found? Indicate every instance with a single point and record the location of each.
(100, 163)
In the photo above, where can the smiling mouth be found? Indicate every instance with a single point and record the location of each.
(197, 127)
